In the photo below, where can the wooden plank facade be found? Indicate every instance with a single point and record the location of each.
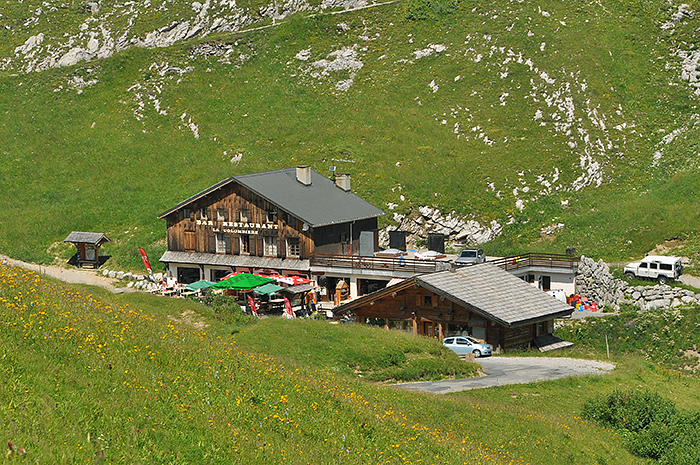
(233, 220)
(425, 313)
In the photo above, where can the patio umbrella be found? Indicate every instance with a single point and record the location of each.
(201, 284)
(243, 282)
(267, 289)
(291, 280)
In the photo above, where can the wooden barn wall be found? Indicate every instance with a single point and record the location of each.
(335, 239)
(189, 230)
(411, 304)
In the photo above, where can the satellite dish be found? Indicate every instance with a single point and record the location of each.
(305, 227)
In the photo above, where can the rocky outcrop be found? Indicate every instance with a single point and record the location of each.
(594, 281)
(430, 220)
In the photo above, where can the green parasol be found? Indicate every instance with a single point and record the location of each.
(243, 282)
(201, 284)
(267, 289)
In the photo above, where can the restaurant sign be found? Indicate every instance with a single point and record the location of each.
(235, 227)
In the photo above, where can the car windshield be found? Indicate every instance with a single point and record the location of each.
(469, 253)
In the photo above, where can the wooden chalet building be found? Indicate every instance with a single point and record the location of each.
(270, 222)
(482, 301)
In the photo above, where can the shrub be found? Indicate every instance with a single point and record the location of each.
(631, 411)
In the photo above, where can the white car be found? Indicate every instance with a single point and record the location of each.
(660, 268)
(464, 345)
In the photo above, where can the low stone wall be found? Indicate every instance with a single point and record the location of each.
(136, 281)
(594, 281)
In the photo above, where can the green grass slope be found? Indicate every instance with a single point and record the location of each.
(513, 114)
(131, 378)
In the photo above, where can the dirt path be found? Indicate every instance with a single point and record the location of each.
(69, 275)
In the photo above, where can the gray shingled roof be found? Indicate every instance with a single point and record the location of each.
(200, 258)
(487, 289)
(321, 203)
(86, 237)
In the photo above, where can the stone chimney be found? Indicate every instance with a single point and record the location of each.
(343, 181)
(304, 174)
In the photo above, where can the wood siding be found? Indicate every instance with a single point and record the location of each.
(233, 212)
(423, 307)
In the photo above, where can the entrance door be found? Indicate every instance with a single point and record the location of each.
(429, 329)
(545, 283)
(366, 243)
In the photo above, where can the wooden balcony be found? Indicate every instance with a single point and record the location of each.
(354, 262)
(540, 260)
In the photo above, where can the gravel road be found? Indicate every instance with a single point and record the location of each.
(69, 275)
(516, 370)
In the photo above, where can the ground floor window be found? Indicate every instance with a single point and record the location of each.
(457, 330)
(401, 325)
(187, 275)
(375, 322)
(270, 243)
(216, 275)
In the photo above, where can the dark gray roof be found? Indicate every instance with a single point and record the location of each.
(200, 258)
(489, 290)
(86, 237)
(321, 203)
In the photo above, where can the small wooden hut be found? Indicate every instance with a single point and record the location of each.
(88, 245)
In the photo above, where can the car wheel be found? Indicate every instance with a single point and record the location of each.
(629, 275)
(662, 279)
(476, 353)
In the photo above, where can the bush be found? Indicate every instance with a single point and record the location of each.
(651, 425)
(226, 309)
(631, 411)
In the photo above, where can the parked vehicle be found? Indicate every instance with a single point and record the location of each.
(558, 294)
(470, 257)
(464, 345)
(662, 269)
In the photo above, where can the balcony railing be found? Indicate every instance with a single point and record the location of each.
(379, 263)
(409, 265)
(545, 260)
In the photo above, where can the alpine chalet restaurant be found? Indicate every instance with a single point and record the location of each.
(269, 223)
(482, 301)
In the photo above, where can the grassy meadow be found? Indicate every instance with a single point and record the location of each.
(457, 129)
(134, 378)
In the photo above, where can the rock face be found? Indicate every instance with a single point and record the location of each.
(594, 281)
(432, 221)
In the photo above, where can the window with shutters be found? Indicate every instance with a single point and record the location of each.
(221, 214)
(293, 247)
(270, 244)
(245, 243)
(203, 213)
(243, 216)
(220, 243)
(189, 241)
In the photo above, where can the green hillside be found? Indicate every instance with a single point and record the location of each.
(517, 115)
(89, 376)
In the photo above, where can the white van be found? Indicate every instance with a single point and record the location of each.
(662, 269)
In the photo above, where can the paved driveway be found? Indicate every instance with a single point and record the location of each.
(515, 370)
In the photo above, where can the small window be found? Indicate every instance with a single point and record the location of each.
(220, 214)
(186, 214)
(666, 266)
(643, 265)
(653, 266)
(427, 300)
(243, 216)
(203, 213)
(271, 216)
(245, 243)
(270, 243)
(220, 243)
(293, 246)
